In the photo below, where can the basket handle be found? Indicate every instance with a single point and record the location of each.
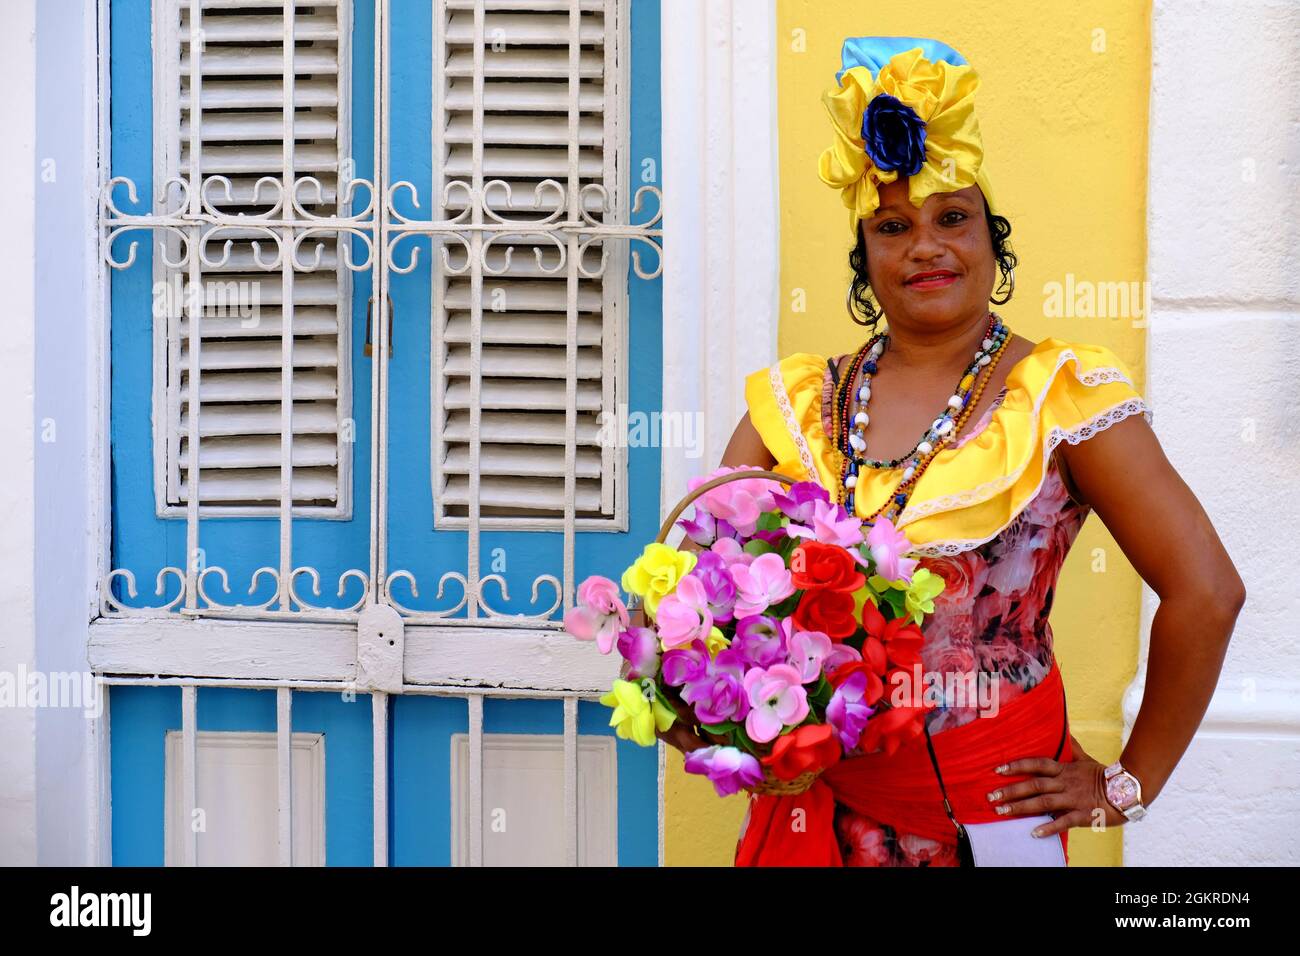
(710, 485)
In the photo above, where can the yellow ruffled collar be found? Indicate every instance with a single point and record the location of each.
(1061, 391)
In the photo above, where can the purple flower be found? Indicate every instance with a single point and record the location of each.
(759, 641)
(685, 664)
(729, 768)
(719, 586)
(797, 505)
(720, 694)
(846, 712)
(893, 135)
(706, 529)
(640, 647)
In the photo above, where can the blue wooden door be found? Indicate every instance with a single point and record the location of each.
(438, 465)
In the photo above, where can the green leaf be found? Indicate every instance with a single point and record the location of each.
(769, 521)
(758, 546)
(897, 601)
(722, 729)
(823, 692)
(786, 607)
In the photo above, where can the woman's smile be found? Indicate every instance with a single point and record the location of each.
(937, 279)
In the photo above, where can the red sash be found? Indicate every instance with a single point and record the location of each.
(902, 790)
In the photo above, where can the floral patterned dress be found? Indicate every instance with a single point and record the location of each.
(991, 618)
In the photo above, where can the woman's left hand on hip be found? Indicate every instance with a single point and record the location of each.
(1074, 793)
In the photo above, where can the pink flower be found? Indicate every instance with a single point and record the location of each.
(739, 503)
(732, 552)
(830, 524)
(599, 615)
(841, 653)
(760, 584)
(684, 615)
(888, 545)
(808, 652)
(777, 699)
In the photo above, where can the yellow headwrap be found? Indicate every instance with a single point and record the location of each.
(927, 131)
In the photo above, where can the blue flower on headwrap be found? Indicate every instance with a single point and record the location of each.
(894, 135)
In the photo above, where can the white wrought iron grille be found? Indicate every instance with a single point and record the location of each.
(240, 140)
(299, 226)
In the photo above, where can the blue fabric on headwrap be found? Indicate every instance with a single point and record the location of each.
(875, 52)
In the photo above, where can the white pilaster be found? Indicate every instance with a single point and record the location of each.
(18, 839)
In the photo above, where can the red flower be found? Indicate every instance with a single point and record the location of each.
(830, 612)
(902, 640)
(810, 747)
(892, 728)
(816, 565)
(875, 688)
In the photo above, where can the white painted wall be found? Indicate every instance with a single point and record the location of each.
(18, 844)
(49, 393)
(1224, 360)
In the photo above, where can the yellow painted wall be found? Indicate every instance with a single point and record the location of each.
(1063, 112)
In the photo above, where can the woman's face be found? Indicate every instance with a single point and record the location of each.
(948, 235)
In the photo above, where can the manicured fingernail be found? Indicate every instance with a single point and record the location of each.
(1036, 833)
(1003, 808)
(996, 794)
(1001, 769)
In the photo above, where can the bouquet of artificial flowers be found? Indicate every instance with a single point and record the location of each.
(780, 636)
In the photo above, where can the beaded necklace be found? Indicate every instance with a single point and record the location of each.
(850, 442)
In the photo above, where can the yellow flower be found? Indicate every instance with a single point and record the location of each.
(636, 718)
(716, 642)
(860, 598)
(943, 96)
(925, 587)
(881, 585)
(656, 573)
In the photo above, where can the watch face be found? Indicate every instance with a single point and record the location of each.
(1121, 791)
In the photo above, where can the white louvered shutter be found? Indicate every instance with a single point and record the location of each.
(525, 137)
(242, 138)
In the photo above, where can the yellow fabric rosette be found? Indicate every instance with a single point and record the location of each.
(943, 96)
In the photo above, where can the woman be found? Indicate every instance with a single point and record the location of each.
(1033, 437)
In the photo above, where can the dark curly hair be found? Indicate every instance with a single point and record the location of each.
(860, 290)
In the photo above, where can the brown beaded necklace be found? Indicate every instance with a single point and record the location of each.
(897, 500)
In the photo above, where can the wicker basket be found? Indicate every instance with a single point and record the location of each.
(771, 785)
